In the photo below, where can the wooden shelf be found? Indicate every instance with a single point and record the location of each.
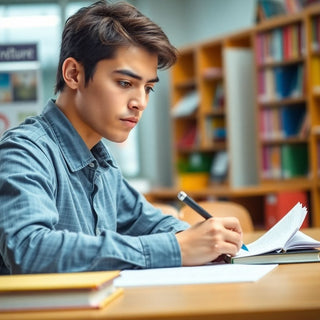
(226, 191)
(281, 102)
(277, 141)
(186, 84)
(287, 62)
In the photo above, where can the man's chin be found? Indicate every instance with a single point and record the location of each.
(117, 139)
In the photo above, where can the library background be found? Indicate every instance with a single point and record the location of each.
(237, 118)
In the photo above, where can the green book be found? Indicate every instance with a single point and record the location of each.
(294, 160)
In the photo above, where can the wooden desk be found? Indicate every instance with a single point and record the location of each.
(288, 292)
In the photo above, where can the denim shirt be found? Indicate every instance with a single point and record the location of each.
(65, 208)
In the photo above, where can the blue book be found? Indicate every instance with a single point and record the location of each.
(286, 81)
(291, 119)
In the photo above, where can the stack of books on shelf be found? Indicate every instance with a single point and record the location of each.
(280, 44)
(283, 122)
(216, 129)
(276, 84)
(315, 34)
(189, 138)
(295, 6)
(315, 75)
(285, 161)
(267, 9)
(218, 97)
(193, 171)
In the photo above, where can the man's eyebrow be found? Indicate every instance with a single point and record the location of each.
(133, 75)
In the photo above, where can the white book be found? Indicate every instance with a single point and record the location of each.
(187, 105)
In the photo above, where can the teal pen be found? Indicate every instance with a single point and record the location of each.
(182, 196)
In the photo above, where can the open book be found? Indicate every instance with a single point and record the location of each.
(283, 243)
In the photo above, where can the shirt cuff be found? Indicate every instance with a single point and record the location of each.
(161, 250)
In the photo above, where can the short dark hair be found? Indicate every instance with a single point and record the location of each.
(95, 32)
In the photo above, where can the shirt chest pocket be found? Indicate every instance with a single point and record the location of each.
(104, 206)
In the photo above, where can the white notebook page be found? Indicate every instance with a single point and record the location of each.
(215, 273)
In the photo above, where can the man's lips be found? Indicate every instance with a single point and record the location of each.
(130, 122)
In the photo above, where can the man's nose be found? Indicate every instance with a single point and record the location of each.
(139, 101)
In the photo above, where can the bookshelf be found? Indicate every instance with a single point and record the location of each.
(285, 117)
(282, 101)
(313, 59)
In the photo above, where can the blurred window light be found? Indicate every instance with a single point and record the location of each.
(72, 7)
(29, 22)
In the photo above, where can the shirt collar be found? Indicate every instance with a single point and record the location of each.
(73, 148)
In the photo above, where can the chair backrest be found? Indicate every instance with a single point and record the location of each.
(167, 209)
(219, 209)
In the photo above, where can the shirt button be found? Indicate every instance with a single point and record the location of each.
(98, 232)
(91, 165)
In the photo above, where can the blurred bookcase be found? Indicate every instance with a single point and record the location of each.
(257, 106)
(204, 119)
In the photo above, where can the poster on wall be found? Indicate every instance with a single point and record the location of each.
(20, 84)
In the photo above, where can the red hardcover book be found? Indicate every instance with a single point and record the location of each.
(188, 140)
(277, 205)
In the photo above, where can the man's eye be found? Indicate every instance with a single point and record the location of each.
(149, 89)
(124, 84)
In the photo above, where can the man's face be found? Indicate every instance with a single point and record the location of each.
(112, 103)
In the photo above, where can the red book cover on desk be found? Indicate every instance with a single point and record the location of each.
(278, 204)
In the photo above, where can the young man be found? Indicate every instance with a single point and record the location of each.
(64, 205)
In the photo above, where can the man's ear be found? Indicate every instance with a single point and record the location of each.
(72, 72)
